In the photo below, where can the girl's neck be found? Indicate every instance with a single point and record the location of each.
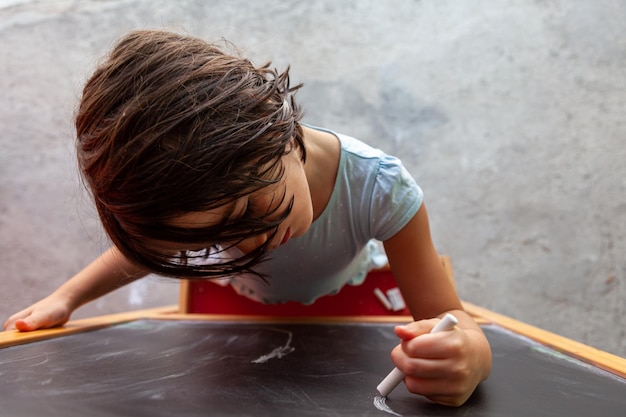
(322, 162)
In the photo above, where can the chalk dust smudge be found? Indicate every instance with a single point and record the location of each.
(380, 402)
(278, 352)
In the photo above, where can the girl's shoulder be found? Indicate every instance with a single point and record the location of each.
(351, 145)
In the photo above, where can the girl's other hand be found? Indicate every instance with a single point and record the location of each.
(50, 312)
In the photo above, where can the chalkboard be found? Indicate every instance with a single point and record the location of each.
(202, 368)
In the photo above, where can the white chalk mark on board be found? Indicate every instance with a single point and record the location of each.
(380, 402)
(333, 375)
(278, 352)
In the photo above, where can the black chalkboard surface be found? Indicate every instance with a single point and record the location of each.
(202, 368)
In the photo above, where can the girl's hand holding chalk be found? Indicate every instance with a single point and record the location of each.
(396, 376)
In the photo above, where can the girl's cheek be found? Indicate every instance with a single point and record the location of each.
(248, 245)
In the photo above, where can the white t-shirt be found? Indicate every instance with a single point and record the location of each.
(374, 198)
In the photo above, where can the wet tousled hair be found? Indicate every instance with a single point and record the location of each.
(169, 125)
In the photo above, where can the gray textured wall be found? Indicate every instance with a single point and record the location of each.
(509, 114)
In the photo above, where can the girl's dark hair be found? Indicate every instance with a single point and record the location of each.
(169, 125)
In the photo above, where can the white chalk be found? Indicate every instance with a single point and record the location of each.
(396, 300)
(396, 376)
(381, 297)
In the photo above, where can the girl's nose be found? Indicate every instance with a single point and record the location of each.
(251, 243)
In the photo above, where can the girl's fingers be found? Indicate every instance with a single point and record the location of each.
(39, 317)
(417, 328)
(27, 323)
(10, 323)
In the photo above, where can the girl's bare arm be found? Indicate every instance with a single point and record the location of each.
(445, 367)
(108, 272)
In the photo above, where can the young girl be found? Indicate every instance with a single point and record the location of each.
(199, 167)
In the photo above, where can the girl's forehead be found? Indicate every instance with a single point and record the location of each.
(202, 219)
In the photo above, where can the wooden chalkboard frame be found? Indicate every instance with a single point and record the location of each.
(14, 337)
(593, 356)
